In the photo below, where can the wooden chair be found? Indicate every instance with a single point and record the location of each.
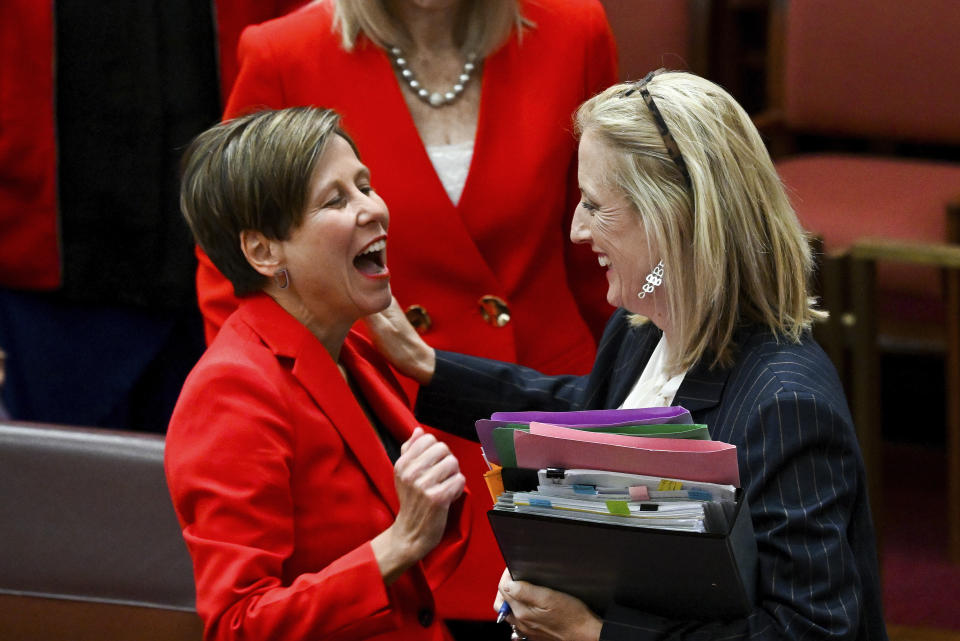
(863, 128)
(659, 33)
(91, 547)
(864, 257)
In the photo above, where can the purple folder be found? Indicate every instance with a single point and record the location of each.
(583, 418)
(597, 418)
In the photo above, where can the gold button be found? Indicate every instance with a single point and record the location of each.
(419, 318)
(494, 310)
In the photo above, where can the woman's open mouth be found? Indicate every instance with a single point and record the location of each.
(372, 260)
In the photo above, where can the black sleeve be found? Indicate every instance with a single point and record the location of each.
(467, 388)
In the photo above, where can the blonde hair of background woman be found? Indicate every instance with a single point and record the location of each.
(482, 26)
(732, 248)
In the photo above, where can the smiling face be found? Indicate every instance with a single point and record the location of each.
(337, 257)
(607, 220)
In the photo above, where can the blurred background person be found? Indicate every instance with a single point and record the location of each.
(709, 269)
(97, 298)
(463, 110)
(304, 514)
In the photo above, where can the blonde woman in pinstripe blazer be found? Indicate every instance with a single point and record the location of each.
(709, 270)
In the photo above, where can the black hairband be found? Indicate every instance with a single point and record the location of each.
(668, 140)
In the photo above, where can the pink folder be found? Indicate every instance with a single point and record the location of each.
(554, 446)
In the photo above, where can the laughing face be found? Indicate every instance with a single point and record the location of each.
(337, 257)
(607, 220)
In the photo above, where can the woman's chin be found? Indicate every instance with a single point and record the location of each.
(614, 298)
(383, 301)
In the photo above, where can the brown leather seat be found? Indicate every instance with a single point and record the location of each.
(91, 545)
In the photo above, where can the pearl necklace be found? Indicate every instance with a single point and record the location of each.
(434, 99)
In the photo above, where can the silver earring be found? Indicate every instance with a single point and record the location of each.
(654, 280)
(282, 278)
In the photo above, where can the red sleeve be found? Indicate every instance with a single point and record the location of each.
(229, 459)
(586, 279)
(232, 17)
(258, 83)
(29, 233)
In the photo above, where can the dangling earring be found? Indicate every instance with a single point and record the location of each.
(282, 278)
(654, 280)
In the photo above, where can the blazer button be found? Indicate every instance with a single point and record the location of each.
(419, 318)
(425, 617)
(494, 310)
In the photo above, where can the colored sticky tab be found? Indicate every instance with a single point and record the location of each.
(699, 495)
(639, 493)
(540, 503)
(618, 507)
(584, 489)
(666, 485)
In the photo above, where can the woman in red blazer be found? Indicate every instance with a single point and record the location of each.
(502, 239)
(279, 453)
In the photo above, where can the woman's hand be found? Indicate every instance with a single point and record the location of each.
(400, 343)
(542, 614)
(428, 479)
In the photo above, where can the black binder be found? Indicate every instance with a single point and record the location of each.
(684, 575)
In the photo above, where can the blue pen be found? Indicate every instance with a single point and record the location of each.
(503, 612)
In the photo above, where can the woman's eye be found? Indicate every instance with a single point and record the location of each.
(366, 189)
(588, 206)
(336, 201)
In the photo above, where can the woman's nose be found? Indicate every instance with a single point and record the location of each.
(580, 227)
(373, 210)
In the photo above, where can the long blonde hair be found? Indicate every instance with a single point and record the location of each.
(482, 25)
(732, 248)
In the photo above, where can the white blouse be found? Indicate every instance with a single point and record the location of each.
(653, 388)
(452, 164)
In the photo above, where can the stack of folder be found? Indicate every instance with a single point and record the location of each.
(631, 507)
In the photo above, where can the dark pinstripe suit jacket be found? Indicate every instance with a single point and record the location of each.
(782, 405)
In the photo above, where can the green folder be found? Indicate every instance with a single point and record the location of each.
(503, 436)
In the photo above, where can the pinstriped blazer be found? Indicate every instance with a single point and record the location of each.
(782, 405)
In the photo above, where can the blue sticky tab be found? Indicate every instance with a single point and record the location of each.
(540, 503)
(699, 495)
(584, 489)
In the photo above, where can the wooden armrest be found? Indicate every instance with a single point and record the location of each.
(935, 254)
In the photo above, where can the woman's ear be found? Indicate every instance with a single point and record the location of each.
(263, 254)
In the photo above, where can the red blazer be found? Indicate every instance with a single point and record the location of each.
(509, 234)
(280, 482)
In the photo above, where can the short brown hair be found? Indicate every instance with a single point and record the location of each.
(252, 173)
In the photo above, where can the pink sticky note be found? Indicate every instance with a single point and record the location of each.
(639, 493)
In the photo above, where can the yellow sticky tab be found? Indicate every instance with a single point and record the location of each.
(618, 507)
(666, 485)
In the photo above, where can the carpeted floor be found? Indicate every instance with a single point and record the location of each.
(921, 587)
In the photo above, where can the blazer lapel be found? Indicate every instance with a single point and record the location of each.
(315, 370)
(701, 388)
(374, 379)
(621, 357)
(625, 359)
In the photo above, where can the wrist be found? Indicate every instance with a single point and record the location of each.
(394, 554)
(426, 365)
(592, 628)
